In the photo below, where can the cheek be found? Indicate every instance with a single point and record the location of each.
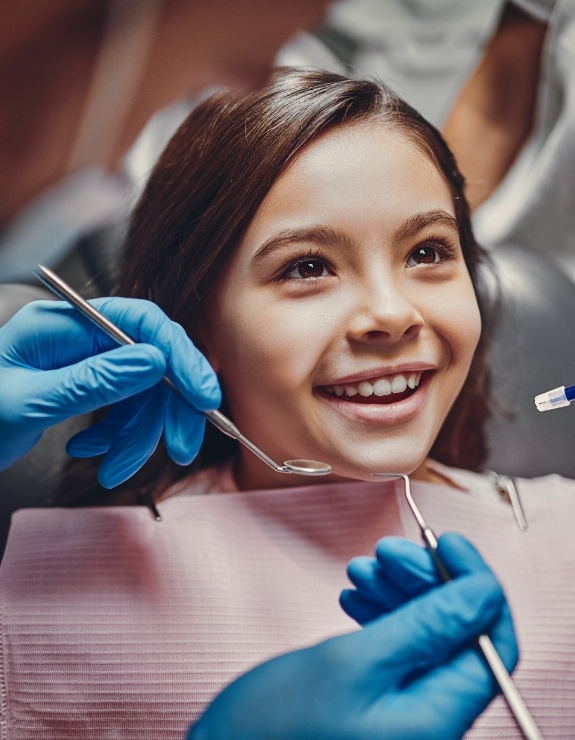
(270, 346)
(461, 324)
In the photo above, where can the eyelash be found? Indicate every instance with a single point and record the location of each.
(445, 250)
(311, 256)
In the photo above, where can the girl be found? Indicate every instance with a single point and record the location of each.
(314, 241)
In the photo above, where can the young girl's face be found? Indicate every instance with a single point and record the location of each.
(345, 324)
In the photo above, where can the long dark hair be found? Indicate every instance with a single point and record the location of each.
(203, 194)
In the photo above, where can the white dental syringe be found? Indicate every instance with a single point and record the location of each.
(556, 398)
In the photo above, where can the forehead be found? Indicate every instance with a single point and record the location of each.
(358, 177)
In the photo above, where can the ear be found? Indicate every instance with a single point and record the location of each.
(214, 362)
(204, 342)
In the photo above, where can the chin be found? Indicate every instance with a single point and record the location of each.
(364, 468)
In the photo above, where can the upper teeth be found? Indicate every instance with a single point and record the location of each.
(379, 387)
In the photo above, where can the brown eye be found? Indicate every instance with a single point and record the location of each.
(307, 269)
(426, 255)
(310, 269)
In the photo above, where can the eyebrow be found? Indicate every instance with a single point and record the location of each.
(414, 224)
(326, 236)
(321, 235)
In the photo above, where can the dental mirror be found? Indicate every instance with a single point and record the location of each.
(66, 292)
(298, 467)
(307, 467)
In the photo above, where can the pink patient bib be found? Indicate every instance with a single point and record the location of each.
(116, 626)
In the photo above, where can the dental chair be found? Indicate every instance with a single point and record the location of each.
(533, 350)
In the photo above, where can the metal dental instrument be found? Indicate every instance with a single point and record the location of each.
(67, 293)
(523, 717)
(505, 486)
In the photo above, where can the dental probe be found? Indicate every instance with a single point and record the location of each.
(556, 398)
(66, 292)
(514, 700)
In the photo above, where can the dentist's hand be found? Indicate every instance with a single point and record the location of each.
(411, 673)
(402, 570)
(55, 364)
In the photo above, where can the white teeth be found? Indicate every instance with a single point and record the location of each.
(398, 384)
(380, 387)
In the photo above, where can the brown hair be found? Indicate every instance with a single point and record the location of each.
(203, 194)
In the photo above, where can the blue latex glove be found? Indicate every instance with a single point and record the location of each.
(410, 673)
(400, 571)
(55, 364)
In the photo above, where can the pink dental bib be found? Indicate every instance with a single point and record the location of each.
(115, 626)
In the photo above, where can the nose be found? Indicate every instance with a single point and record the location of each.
(384, 311)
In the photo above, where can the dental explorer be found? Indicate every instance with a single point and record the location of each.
(67, 293)
(523, 717)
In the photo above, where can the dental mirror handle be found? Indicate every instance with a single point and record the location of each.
(67, 293)
(228, 427)
(508, 689)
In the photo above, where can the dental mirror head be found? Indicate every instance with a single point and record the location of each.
(306, 467)
(298, 467)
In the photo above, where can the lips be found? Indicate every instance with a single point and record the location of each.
(393, 408)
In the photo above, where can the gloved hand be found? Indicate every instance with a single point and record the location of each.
(410, 673)
(401, 571)
(55, 364)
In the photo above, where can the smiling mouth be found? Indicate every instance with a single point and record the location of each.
(385, 390)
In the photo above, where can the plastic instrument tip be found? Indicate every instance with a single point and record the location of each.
(554, 399)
